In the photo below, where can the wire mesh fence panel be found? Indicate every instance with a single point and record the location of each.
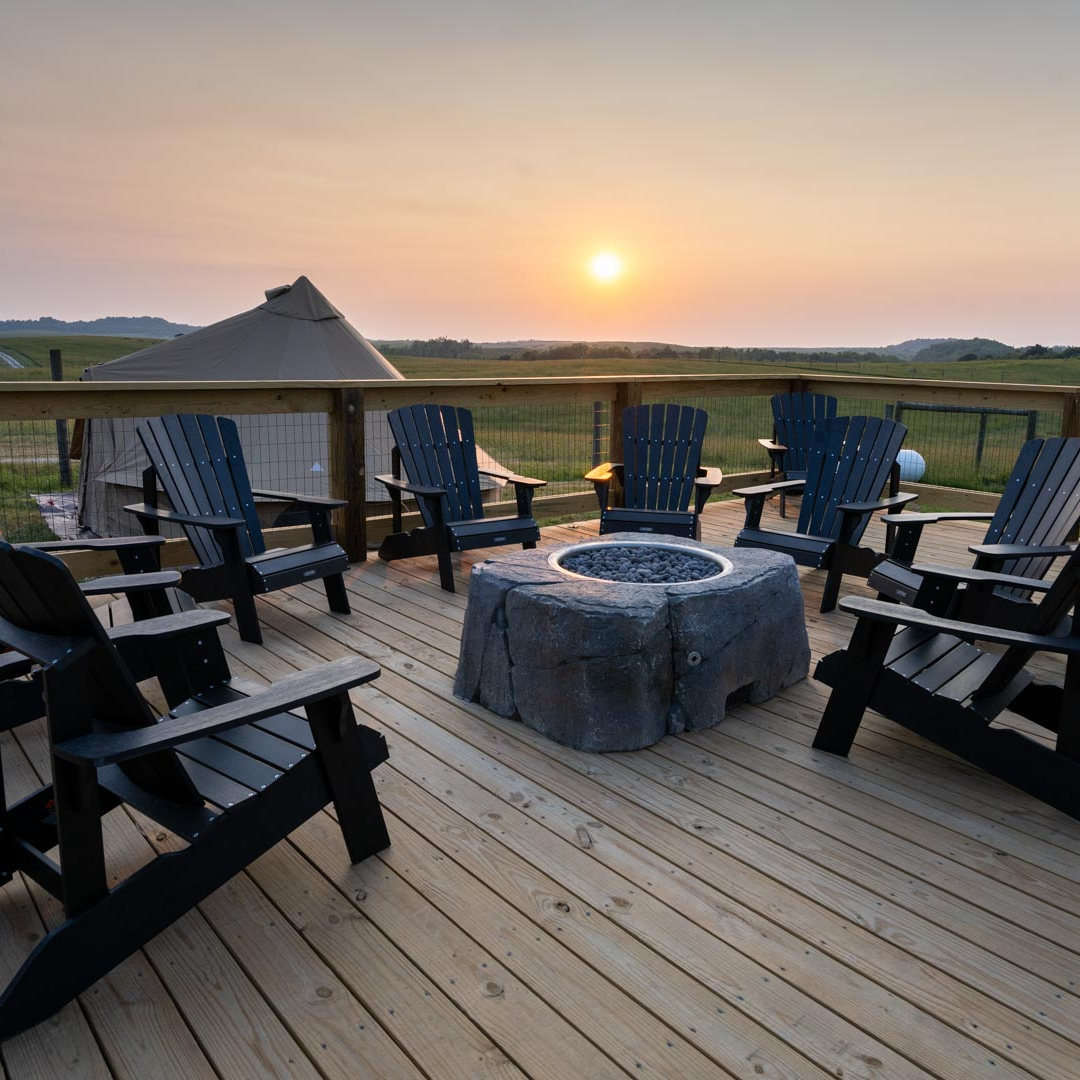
(37, 483)
(554, 442)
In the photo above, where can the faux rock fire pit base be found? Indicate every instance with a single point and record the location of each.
(604, 665)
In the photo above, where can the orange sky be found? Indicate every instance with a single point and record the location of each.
(773, 173)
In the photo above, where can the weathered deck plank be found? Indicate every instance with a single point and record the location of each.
(728, 902)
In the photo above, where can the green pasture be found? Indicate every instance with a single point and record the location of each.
(556, 442)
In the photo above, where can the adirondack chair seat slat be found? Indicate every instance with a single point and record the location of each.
(491, 532)
(850, 461)
(199, 464)
(661, 473)
(662, 522)
(204, 773)
(813, 551)
(253, 772)
(436, 446)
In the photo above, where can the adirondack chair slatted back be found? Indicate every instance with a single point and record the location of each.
(438, 449)
(1046, 619)
(794, 418)
(200, 466)
(661, 455)
(38, 596)
(850, 460)
(1040, 503)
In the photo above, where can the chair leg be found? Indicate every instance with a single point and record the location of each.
(852, 685)
(446, 571)
(247, 618)
(528, 545)
(831, 593)
(359, 814)
(336, 595)
(783, 504)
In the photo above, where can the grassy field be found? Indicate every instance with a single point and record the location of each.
(556, 442)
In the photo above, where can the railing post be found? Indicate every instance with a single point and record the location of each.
(627, 396)
(348, 470)
(62, 456)
(1070, 426)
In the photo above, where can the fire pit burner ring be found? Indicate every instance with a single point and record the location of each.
(640, 564)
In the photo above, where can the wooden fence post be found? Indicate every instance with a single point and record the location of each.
(1070, 427)
(627, 396)
(63, 458)
(348, 471)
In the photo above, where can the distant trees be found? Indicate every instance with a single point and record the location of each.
(450, 348)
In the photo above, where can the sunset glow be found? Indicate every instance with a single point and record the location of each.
(774, 173)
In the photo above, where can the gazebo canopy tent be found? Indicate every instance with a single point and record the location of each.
(296, 334)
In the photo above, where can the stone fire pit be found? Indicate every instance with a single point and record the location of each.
(615, 665)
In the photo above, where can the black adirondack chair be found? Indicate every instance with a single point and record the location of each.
(925, 672)
(437, 447)
(199, 464)
(794, 417)
(228, 773)
(850, 462)
(660, 472)
(1037, 512)
(145, 586)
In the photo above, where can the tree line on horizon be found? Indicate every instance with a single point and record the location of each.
(938, 351)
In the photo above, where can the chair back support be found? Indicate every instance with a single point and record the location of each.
(1040, 503)
(200, 467)
(794, 417)
(438, 449)
(849, 460)
(661, 455)
(43, 615)
(1046, 620)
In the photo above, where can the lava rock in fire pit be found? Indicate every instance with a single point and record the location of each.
(642, 563)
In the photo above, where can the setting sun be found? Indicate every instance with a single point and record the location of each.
(606, 266)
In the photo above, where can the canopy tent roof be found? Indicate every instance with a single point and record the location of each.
(296, 334)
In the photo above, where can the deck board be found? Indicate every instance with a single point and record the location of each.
(726, 903)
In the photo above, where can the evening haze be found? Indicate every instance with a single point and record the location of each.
(768, 173)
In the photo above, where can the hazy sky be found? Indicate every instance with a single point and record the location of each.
(771, 172)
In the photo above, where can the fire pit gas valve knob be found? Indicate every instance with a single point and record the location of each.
(693, 658)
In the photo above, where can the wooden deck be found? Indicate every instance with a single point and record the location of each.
(726, 903)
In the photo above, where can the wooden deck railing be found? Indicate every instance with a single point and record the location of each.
(346, 402)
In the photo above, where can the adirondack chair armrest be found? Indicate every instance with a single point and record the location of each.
(908, 520)
(165, 627)
(130, 583)
(602, 474)
(303, 500)
(999, 553)
(776, 452)
(301, 688)
(211, 521)
(878, 504)
(763, 491)
(755, 498)
(709, 477)
(394, 483)
(898, 615)
(106, 543)
(980, 577)
(513, 478)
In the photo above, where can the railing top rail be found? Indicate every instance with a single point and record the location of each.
(49, 400)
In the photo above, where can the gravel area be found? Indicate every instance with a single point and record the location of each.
(640, 564)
